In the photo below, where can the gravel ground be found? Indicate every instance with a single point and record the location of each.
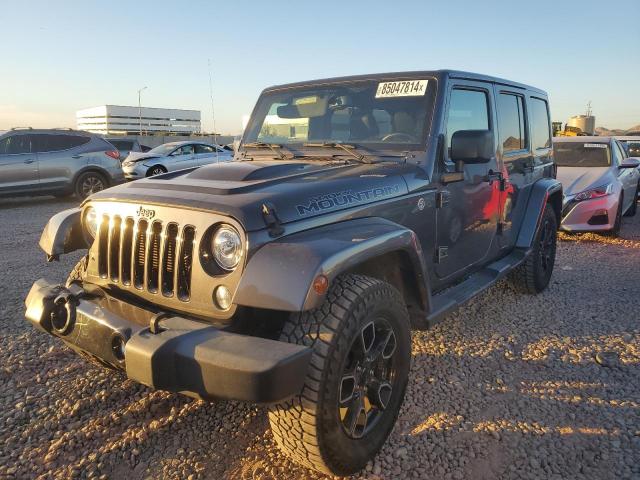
(507, 387)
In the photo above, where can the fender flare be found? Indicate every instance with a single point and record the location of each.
(63, 234)
(280, 274)
(546, 190)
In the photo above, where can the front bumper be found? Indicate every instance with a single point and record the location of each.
(598, 214)
(166, 351)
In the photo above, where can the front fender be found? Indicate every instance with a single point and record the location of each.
(546, 190)
(280, 274)
(63, 234)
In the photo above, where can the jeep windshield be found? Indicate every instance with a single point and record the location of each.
(373, 115)
(579, 154)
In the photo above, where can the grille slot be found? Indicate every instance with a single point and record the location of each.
(147, 255)
(169, 260)
(140, 254)
(185, 260)
(114, 249)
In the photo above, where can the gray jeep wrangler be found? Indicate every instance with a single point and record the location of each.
(356, 210)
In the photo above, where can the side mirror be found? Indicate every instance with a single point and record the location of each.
(630, 162)
(472, 146)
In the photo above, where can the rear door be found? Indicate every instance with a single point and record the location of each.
(60, 158)
(204, 154)
(467, 216)
(18, 164)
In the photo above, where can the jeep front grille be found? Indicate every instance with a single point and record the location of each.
(146, 255)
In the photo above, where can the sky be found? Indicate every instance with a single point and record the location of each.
(58, 57)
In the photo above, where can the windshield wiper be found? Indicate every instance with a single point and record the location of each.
(275, 148)
(350, 149)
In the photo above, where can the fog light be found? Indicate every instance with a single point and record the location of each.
(223, 297)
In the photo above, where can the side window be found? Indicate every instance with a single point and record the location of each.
(540, 135)
(56, 143)
(184, 150)
(16, 144)
(468, 110)
(511, 124)
(203, 149)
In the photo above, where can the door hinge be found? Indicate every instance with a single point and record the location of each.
(442, 198)
(441, 254)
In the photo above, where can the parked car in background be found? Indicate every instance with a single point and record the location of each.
(600, 183)
(126, 145)
(173, 156)
(56, 162)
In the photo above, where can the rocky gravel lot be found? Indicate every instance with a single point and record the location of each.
(508, 387)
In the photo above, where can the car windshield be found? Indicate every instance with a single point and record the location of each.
(579, 154)
(163, 149)
(380, 114)
(121, 144)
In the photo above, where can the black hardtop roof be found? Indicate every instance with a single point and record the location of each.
(438, 74)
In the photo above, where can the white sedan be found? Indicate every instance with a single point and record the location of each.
(173, 156)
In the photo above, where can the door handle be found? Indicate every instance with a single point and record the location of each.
(76, 156)
(29, 161)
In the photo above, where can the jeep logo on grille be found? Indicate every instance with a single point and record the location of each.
(146, 212)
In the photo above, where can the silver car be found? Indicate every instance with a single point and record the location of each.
(173, 156)
(600, 183)
(56, 162)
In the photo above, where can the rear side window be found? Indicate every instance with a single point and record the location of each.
(203, 149)
(541, 138)
(15, 144)
(56, 143)
(467, 111)
(511, 124)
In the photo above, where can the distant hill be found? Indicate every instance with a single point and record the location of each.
(616, 131)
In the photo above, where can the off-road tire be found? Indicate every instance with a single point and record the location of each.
(617, 223)
(532, 276)
(634, 205)
(95, 177)
(307, 428)
(156, 170)
(78, 272)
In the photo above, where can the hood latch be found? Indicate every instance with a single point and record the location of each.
(271, 220)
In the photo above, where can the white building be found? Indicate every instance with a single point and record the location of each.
(118, 119)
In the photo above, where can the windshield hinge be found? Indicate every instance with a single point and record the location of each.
(271, 220)
(442, 198)
(441, 254)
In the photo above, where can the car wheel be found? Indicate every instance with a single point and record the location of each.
(615, 231)
(356, 379)
(156, 170)
(89, 183)
(535, 272)
(634, 204)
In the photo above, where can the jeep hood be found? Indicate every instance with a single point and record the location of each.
(578, 179)
(297, 189)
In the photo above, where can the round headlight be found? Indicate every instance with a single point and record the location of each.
(91, 221)
(226, 246)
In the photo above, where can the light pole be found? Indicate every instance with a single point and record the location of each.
(140, 110)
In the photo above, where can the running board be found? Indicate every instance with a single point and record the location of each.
(453, 297)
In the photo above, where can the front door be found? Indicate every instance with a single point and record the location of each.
(468, 210)
(181, 158)
(18, 164)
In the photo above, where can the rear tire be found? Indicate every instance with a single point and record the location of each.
(634, 204)
(349, 402)
(88, 183)
(534, 274)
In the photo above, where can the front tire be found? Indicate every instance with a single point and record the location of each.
(634, 204)
(156, 170)
(534, 274)
(617, 223)
(356, 379)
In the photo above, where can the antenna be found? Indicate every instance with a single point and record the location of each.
(589, 108)
(213, 113)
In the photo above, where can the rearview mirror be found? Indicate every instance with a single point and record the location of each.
(472, 146)
(630, 162)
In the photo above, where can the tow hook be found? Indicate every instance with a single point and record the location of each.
(63, 314)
